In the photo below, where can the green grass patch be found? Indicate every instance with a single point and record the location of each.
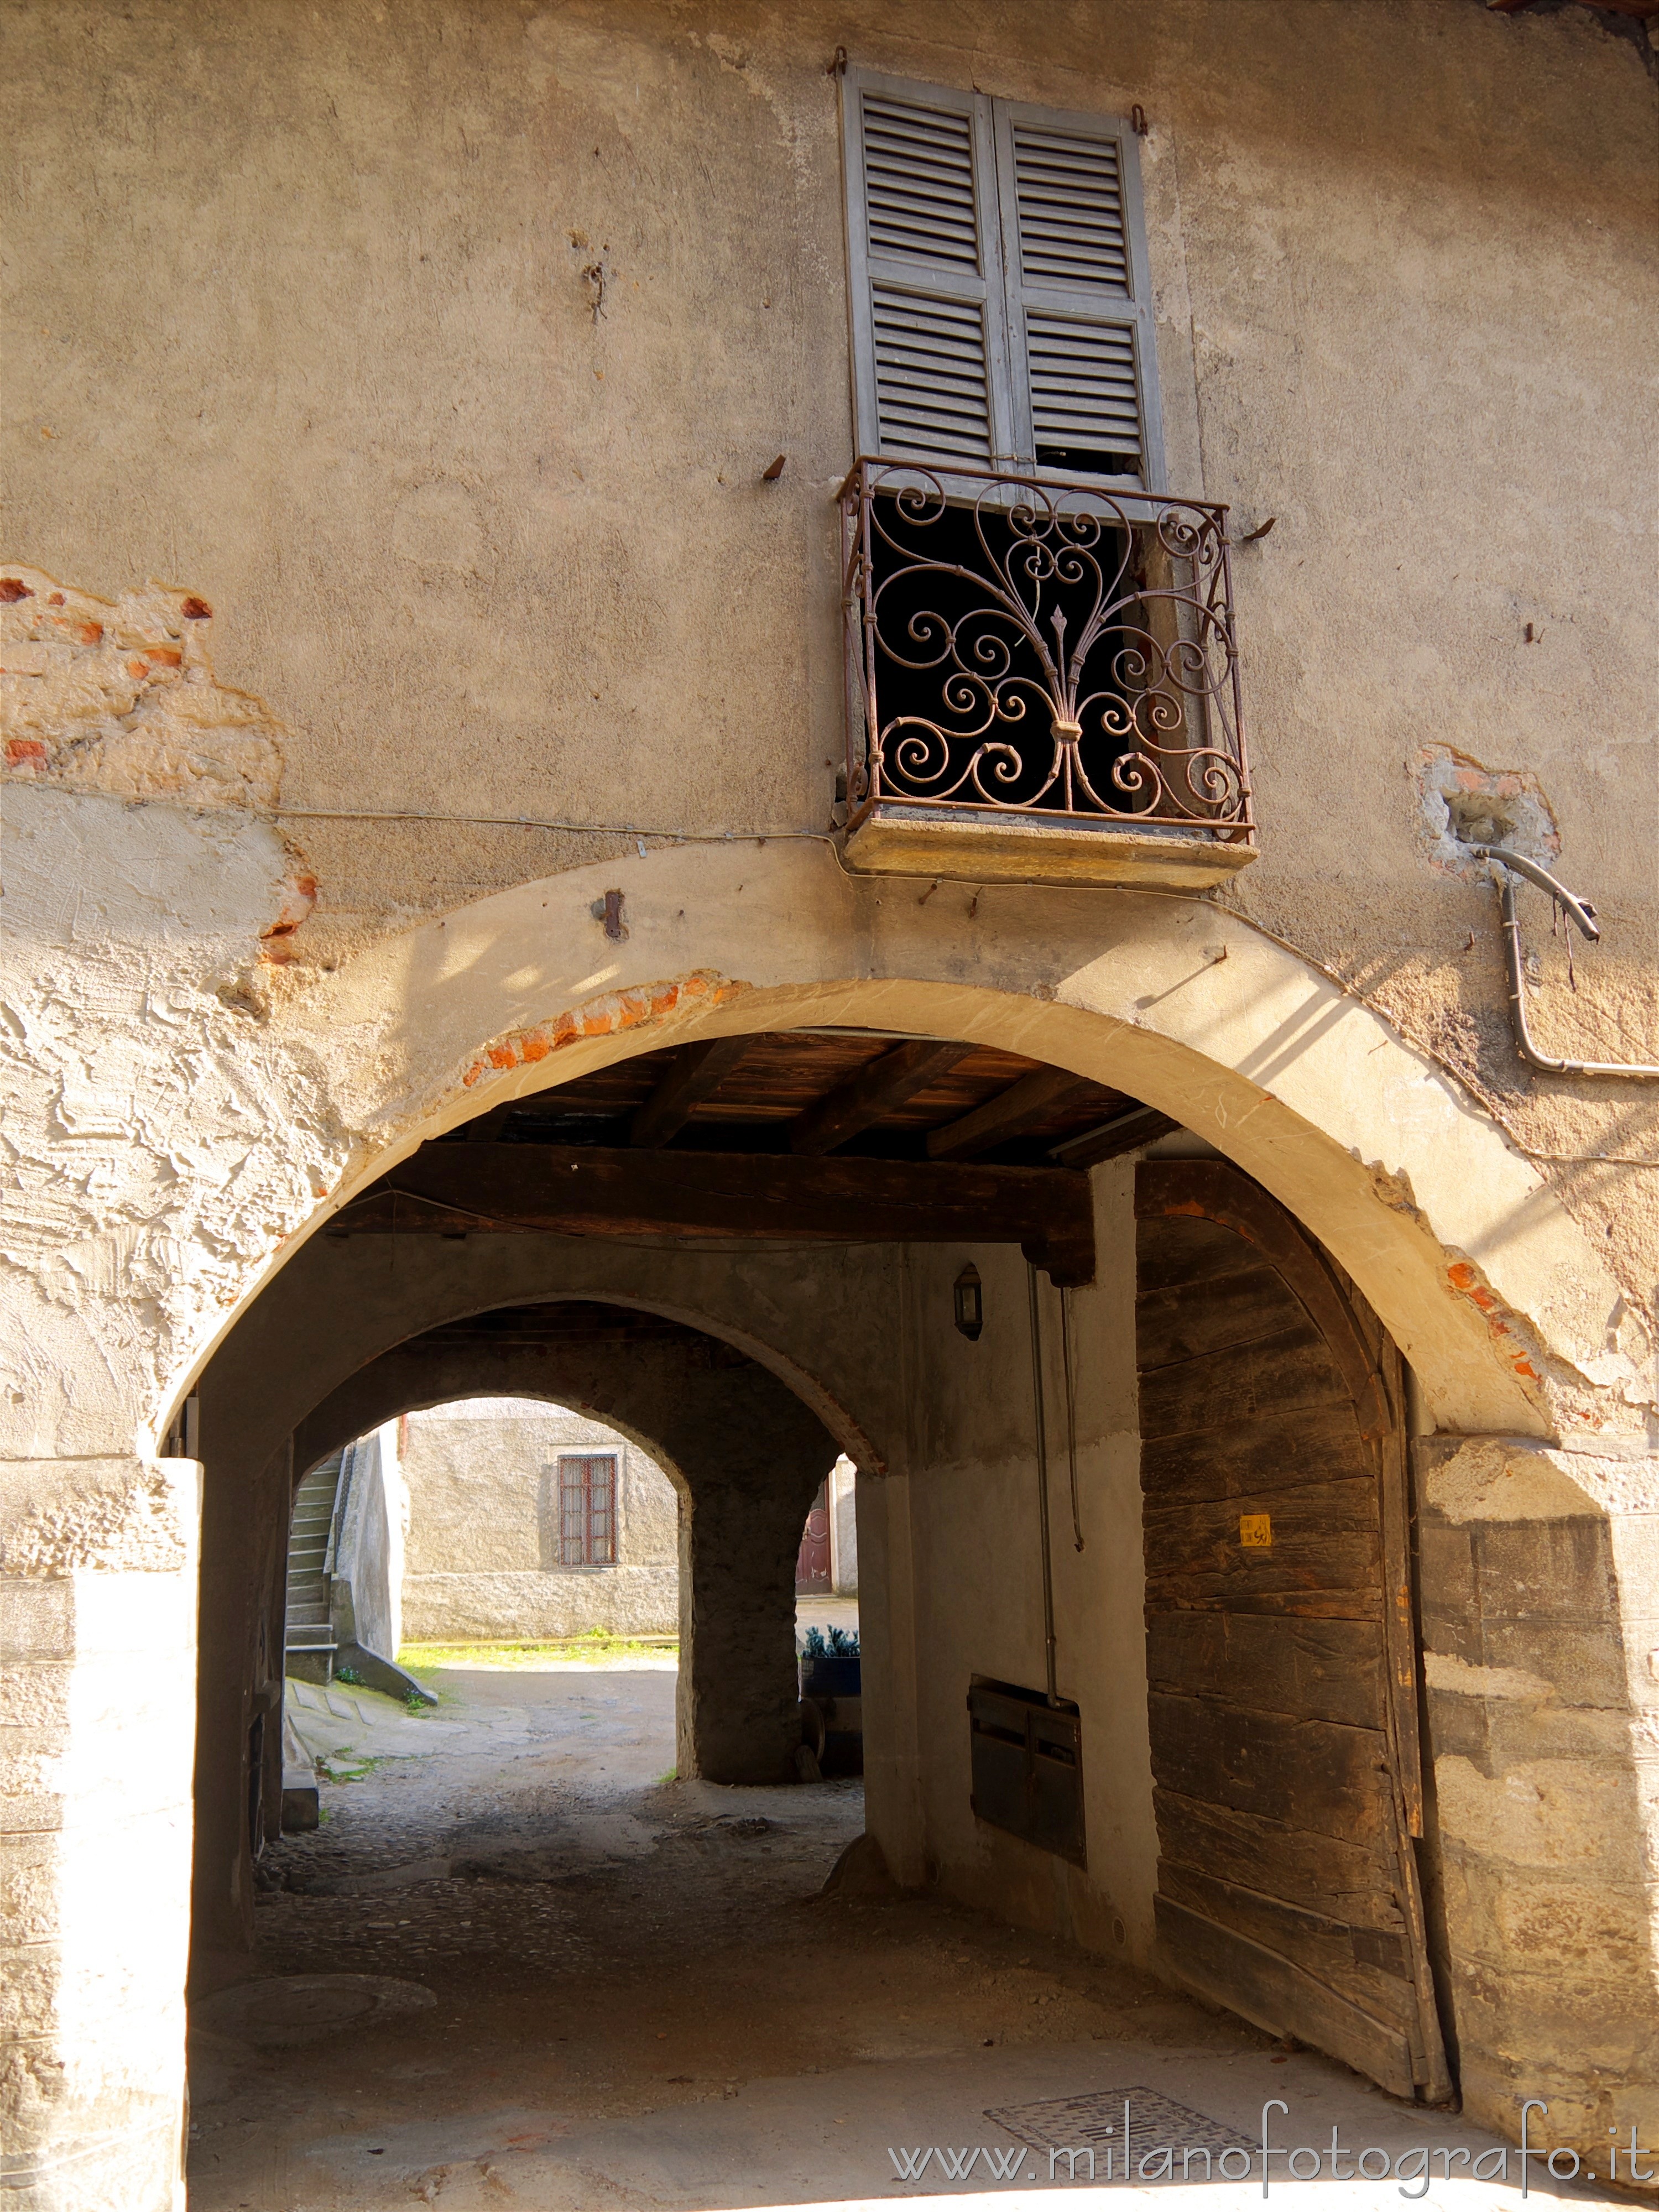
(347, 1765)
(597, 1647)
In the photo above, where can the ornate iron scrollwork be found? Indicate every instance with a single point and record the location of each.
(1043, 649)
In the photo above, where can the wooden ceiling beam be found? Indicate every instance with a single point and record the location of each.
(1045, 1091)
(695, 1072)
(486, 1129)
(1125, 1133)
(1641, 7)
(880, 1085)
(574, 1190)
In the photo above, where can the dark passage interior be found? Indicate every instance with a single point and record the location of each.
(616, 1931)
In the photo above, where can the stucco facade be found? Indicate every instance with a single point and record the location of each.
(431, 358)
(484, 1559)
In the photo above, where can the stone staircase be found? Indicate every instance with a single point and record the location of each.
(310, 1641)
(320, 1640)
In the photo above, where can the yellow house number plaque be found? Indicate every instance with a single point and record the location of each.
(1255, 1531)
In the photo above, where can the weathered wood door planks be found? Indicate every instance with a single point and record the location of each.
(1279, 1640)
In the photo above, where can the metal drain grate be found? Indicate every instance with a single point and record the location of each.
(1098, 2122)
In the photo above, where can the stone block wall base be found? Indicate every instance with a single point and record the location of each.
(1539, 1703)
(98, 1574)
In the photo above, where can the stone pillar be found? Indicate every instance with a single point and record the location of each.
(238, 1691)
(1542, 1721)
(738, 1708)
(98, 1591)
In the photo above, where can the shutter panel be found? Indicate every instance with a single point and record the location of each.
(1084, 391)
(924, 241)
(602, 1512)
(573, 1515)
(1079, 297)
(1069, 193)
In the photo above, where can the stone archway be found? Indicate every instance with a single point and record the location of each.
(1515, 1329)
(746, 1453)
(333, 1346)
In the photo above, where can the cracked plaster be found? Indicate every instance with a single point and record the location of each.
(144, 1186)
(120, 697)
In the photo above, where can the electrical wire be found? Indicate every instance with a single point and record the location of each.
(546, 821)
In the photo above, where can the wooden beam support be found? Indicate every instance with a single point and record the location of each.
(576, 1190)
(1638, 7)
(486, 1129)
(879, 1085)
(1125, 1133)
(695, 1073)
(1010, 1113)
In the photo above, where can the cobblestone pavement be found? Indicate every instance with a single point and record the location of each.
(519, 1965)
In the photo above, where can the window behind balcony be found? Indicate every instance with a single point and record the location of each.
(1001, 305)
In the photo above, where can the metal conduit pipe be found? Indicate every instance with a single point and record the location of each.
(1049, 1647)
(1582, 916)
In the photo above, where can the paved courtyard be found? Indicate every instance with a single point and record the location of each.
(521, 1965)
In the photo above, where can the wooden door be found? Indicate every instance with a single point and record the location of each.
(812, 1564)
(1280, 1638)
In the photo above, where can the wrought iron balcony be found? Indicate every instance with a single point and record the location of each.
(1043, 681)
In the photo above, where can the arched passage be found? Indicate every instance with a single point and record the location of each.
(838, 1333)
(748, 1457)
(1511, 1321)
(749, 1451)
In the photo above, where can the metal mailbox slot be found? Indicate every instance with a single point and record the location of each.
(1027, 1766)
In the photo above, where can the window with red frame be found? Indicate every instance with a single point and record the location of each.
(587, 1511)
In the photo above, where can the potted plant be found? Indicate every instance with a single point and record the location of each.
(831, 1694)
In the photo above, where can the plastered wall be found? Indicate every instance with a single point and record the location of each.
(483, 1539)
(429, 358)
(455, 339)
(371, 1523)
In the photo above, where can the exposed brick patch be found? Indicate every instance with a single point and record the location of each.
(120, 698)
(606, 1016)
(1466, 1282)
(1465, 804)
(299, 897)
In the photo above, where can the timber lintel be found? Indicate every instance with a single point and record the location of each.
(571, 1190)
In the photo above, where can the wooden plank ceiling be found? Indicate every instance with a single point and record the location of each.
(819, 1091)
(823, 1135)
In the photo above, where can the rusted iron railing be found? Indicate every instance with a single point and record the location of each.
(1025, 645)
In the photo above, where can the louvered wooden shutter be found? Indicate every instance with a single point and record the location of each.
(1078, 295)
(929, 302)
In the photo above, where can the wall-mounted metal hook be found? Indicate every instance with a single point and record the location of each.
(610, 909)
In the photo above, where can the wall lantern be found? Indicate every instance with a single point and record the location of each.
(970, 1308)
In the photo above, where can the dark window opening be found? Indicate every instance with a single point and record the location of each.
(1088, 461)
(962, 695)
